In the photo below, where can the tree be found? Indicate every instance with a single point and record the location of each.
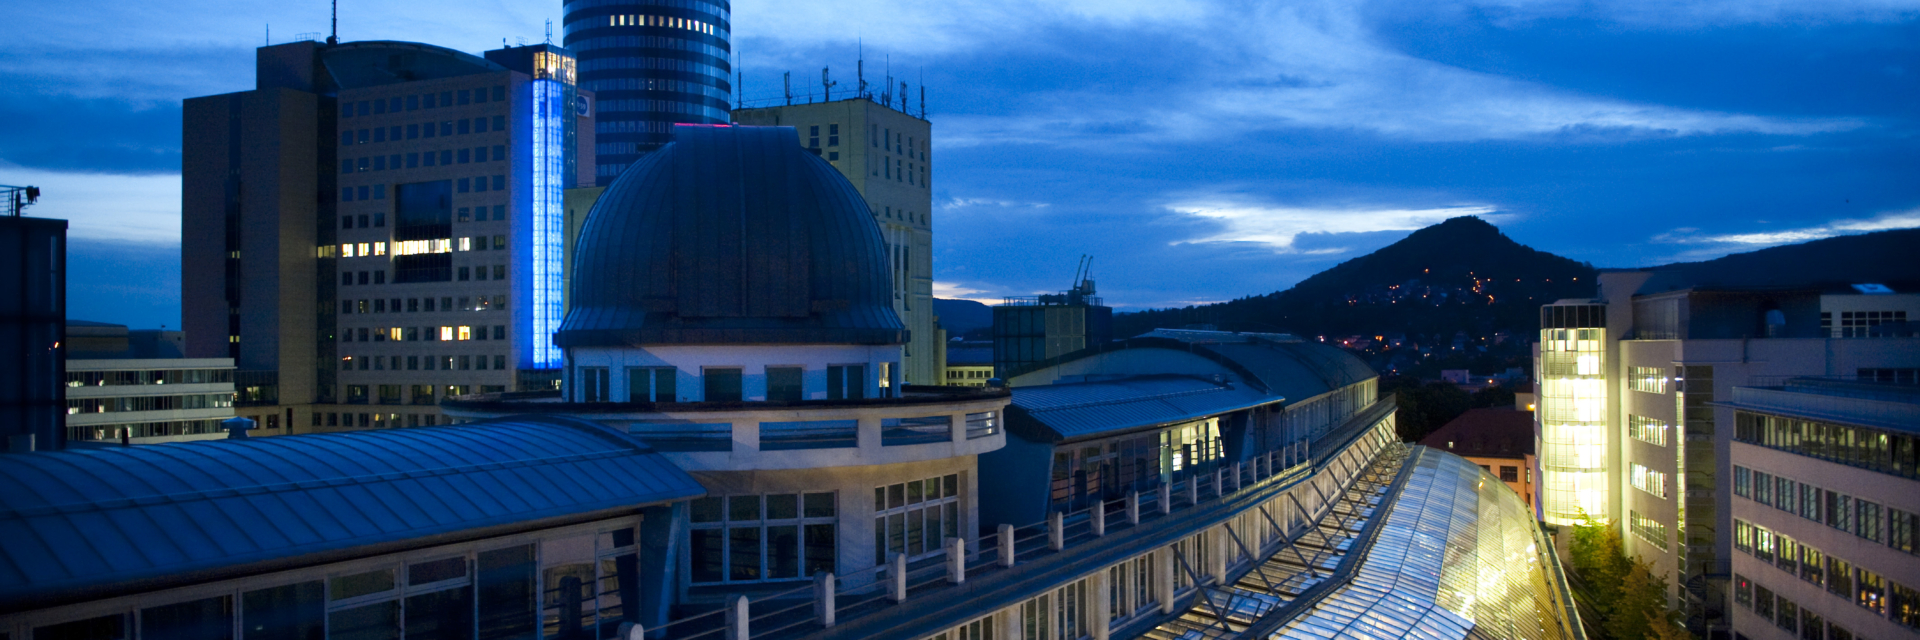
(1599, 560)
(1641, 605)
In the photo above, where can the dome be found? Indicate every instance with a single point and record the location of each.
(730, 235)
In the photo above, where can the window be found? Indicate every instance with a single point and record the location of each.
(1648, 529)
(1742, 481)
(1509, 473)
(1742, 591)
(593, 384)
(1904, 603)
(588, 580)
(1787, 615)
(1839, 577)
(753, 538)
(1901, 526)
(1869, 590)
(649, 384)
(1812, 565)
(915, 517)
(784, 384)
(721, 384)
(1058, 615)
(1647, 430)
(1763, 602)
(846, 382)
(1648, 480)
(1866, 520)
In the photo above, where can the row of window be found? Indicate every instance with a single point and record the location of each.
(1648, 529)
(1837, 510)
(1851, 582)
(663, 106)
(668, 22)
(428, 334)
(420, 247)
(1647, 430)
(1785, 613)
(447, 303)
(583, 45)
(147, 429)
(1858, 324)
(417, 159)
(422, 363)
(624, 63)
(442, 128)
(913, 518)
(1648, 379)
(396, 104)
(393, 420)
(77, 406)
(1648, 480)
(756, 538)
(461, 274)
(148, 376)
(390, 394)
(725, 384)
(1865, 447)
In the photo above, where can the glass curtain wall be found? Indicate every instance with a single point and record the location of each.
(1573, 413)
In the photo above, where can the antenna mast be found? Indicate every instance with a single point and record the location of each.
(787, 79)
(335, 38)
(549, 29)
(826, 86)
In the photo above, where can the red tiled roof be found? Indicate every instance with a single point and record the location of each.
(1487, 433)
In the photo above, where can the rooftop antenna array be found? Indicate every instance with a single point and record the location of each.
(861, 53)
(18, 198)
(826, 86)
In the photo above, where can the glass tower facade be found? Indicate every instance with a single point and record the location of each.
(1573, 413)
(651, 63)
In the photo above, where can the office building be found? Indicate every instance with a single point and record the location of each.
(1500, 440)
(1826, 486)
(885, 153)
(969, 364)
(732, 455)
(33, 310)
(651, 64)
(134, 387)
(1031, 330)
(379, 225)
(1633, 424)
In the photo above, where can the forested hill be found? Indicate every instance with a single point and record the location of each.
(1459, 275)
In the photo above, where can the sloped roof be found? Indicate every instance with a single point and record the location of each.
(86, 524)
(1485, 433)
(1297, 370)
(1090, 409)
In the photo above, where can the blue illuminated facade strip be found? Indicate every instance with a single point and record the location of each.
(550, 109)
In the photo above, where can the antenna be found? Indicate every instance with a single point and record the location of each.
(826, 86)
(739, 80)
(549, 29)
(269, 34)
(335, 38)
(923, 102)
(903, 96)
(862, 72)
(787, 78)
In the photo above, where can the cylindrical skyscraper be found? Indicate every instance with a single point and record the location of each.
(652, 63)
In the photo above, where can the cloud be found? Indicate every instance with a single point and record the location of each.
(957, 291)
(1278, 226)
(1654, 14)
(105, 206)
(66, 133)
(1759, 239)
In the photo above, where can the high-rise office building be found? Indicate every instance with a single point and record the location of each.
(1633, 422)
(651, 64)
(884, 151)
(1029, 330)
(378, 225)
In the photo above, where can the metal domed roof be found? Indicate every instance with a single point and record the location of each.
(730, 235)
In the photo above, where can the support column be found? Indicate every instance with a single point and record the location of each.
(1102, 587)
(956, 560)
(1005, 538)
(746, 442)
(1163, 578)
(1133, 507)
(897, 582)
(1166, 498)
(661, 530)
(1056, 531)
(1097, 518)
(1217, 545)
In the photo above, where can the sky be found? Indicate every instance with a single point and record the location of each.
(1199, 150)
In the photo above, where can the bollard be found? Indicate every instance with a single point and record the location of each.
(956, 560)
(899, 578)
(1193, 490)
(1166, 498)
(1219, 482)
(1133, 507)
(1239, 476)
(631, 631)
(1006, 545)
(1056, 531)
(1098, 518)
(824, 606)
(737, 619)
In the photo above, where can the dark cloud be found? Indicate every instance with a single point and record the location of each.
(92, 135)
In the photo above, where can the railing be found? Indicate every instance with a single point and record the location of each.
(681, 436)
(983, 424)
(824, 604)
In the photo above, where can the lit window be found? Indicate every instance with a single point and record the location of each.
(363, 249)
(346, 251)
(466, 244)
(379, 248)
(446, 334)
(396, 333)
(466, 333)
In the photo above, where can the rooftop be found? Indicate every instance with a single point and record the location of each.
(1091, 409)
(94, 523)
(1485, 433)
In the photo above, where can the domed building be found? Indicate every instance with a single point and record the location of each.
(730, 305)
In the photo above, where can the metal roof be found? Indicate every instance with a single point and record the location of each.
(731, 235)
(1089, 409)
(1297, 370)
(86, 524)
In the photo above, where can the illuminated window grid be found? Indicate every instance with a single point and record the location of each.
(549, 112)
(1573, 415)
(660, 21)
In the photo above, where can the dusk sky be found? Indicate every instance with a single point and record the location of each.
(1200, 151)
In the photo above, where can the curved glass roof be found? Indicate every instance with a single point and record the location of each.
(1459, 556)
(84, 524)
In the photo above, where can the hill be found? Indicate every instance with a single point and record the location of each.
(961, 316)
(1884, 257)
(1461, 275)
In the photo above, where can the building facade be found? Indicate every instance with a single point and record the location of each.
(33, 311)
(378, 226)
(1633, 386)
(650, 64)
(134, 387)
(1826, 486)
(886, 153)
(1499, 440)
